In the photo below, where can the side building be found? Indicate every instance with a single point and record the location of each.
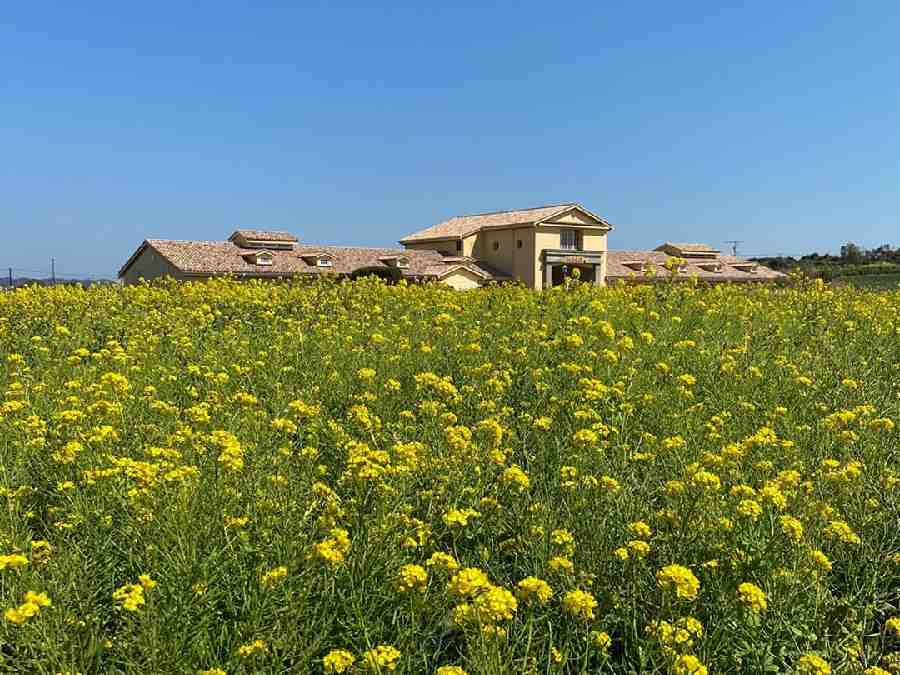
(538, 247)
(266, 254)
(686, 261)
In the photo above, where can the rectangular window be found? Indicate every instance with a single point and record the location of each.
(459, 245)
(569, 239)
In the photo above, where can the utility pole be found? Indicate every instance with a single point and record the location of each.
(10, 277)
(53, 271)
(734, 244)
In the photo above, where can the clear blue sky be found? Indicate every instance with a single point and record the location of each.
(775, 123)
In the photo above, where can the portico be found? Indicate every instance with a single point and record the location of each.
(559, 262)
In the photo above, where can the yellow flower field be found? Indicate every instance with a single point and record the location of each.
(354, 477)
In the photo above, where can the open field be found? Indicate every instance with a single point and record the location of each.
(873, 281)
(288, 478)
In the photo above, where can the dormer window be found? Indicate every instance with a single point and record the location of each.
(318, 259)
(710, 267)
(262, 258)
(637, 265)
(398, 261)
(748, 267)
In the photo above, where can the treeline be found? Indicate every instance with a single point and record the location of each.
(852, 261)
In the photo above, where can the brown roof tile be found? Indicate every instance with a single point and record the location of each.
(617, 267)
(463, 226)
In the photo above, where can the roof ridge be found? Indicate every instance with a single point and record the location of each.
(301, 244)
(530, 208)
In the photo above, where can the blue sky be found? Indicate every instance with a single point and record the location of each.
(774, 123)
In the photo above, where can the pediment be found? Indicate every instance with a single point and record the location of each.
(575, 216)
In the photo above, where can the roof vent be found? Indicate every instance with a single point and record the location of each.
(269, 239)
(689, 250)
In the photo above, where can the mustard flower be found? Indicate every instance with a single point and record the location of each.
(580, 604)
(467, 582)
(811, 664)
(253, 648)
(450, 670)
(680, 580)
(338, 661)
(752, 597)
(892, 625)
(442, 561)
(688, 665)
(412, 577)
(533, 588)
(382, 657)
(274, 576)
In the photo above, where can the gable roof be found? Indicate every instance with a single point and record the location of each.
(463, 226)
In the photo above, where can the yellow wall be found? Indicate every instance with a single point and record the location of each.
(524, 264)
(461, 280)
(148, 265)
(547, 237)
(508, 257)
(445, 246)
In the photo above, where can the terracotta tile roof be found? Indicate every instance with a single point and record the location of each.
(463, 226)
(203, 258)
(263, 235)
(617, 267)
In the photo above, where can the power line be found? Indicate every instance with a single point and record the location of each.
(734, 245)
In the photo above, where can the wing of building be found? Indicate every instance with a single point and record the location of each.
(686, 261)
(538, 247)
(269, 254)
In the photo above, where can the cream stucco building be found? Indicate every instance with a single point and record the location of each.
(538, 246)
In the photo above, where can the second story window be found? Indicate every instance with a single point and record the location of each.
(569, 239)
